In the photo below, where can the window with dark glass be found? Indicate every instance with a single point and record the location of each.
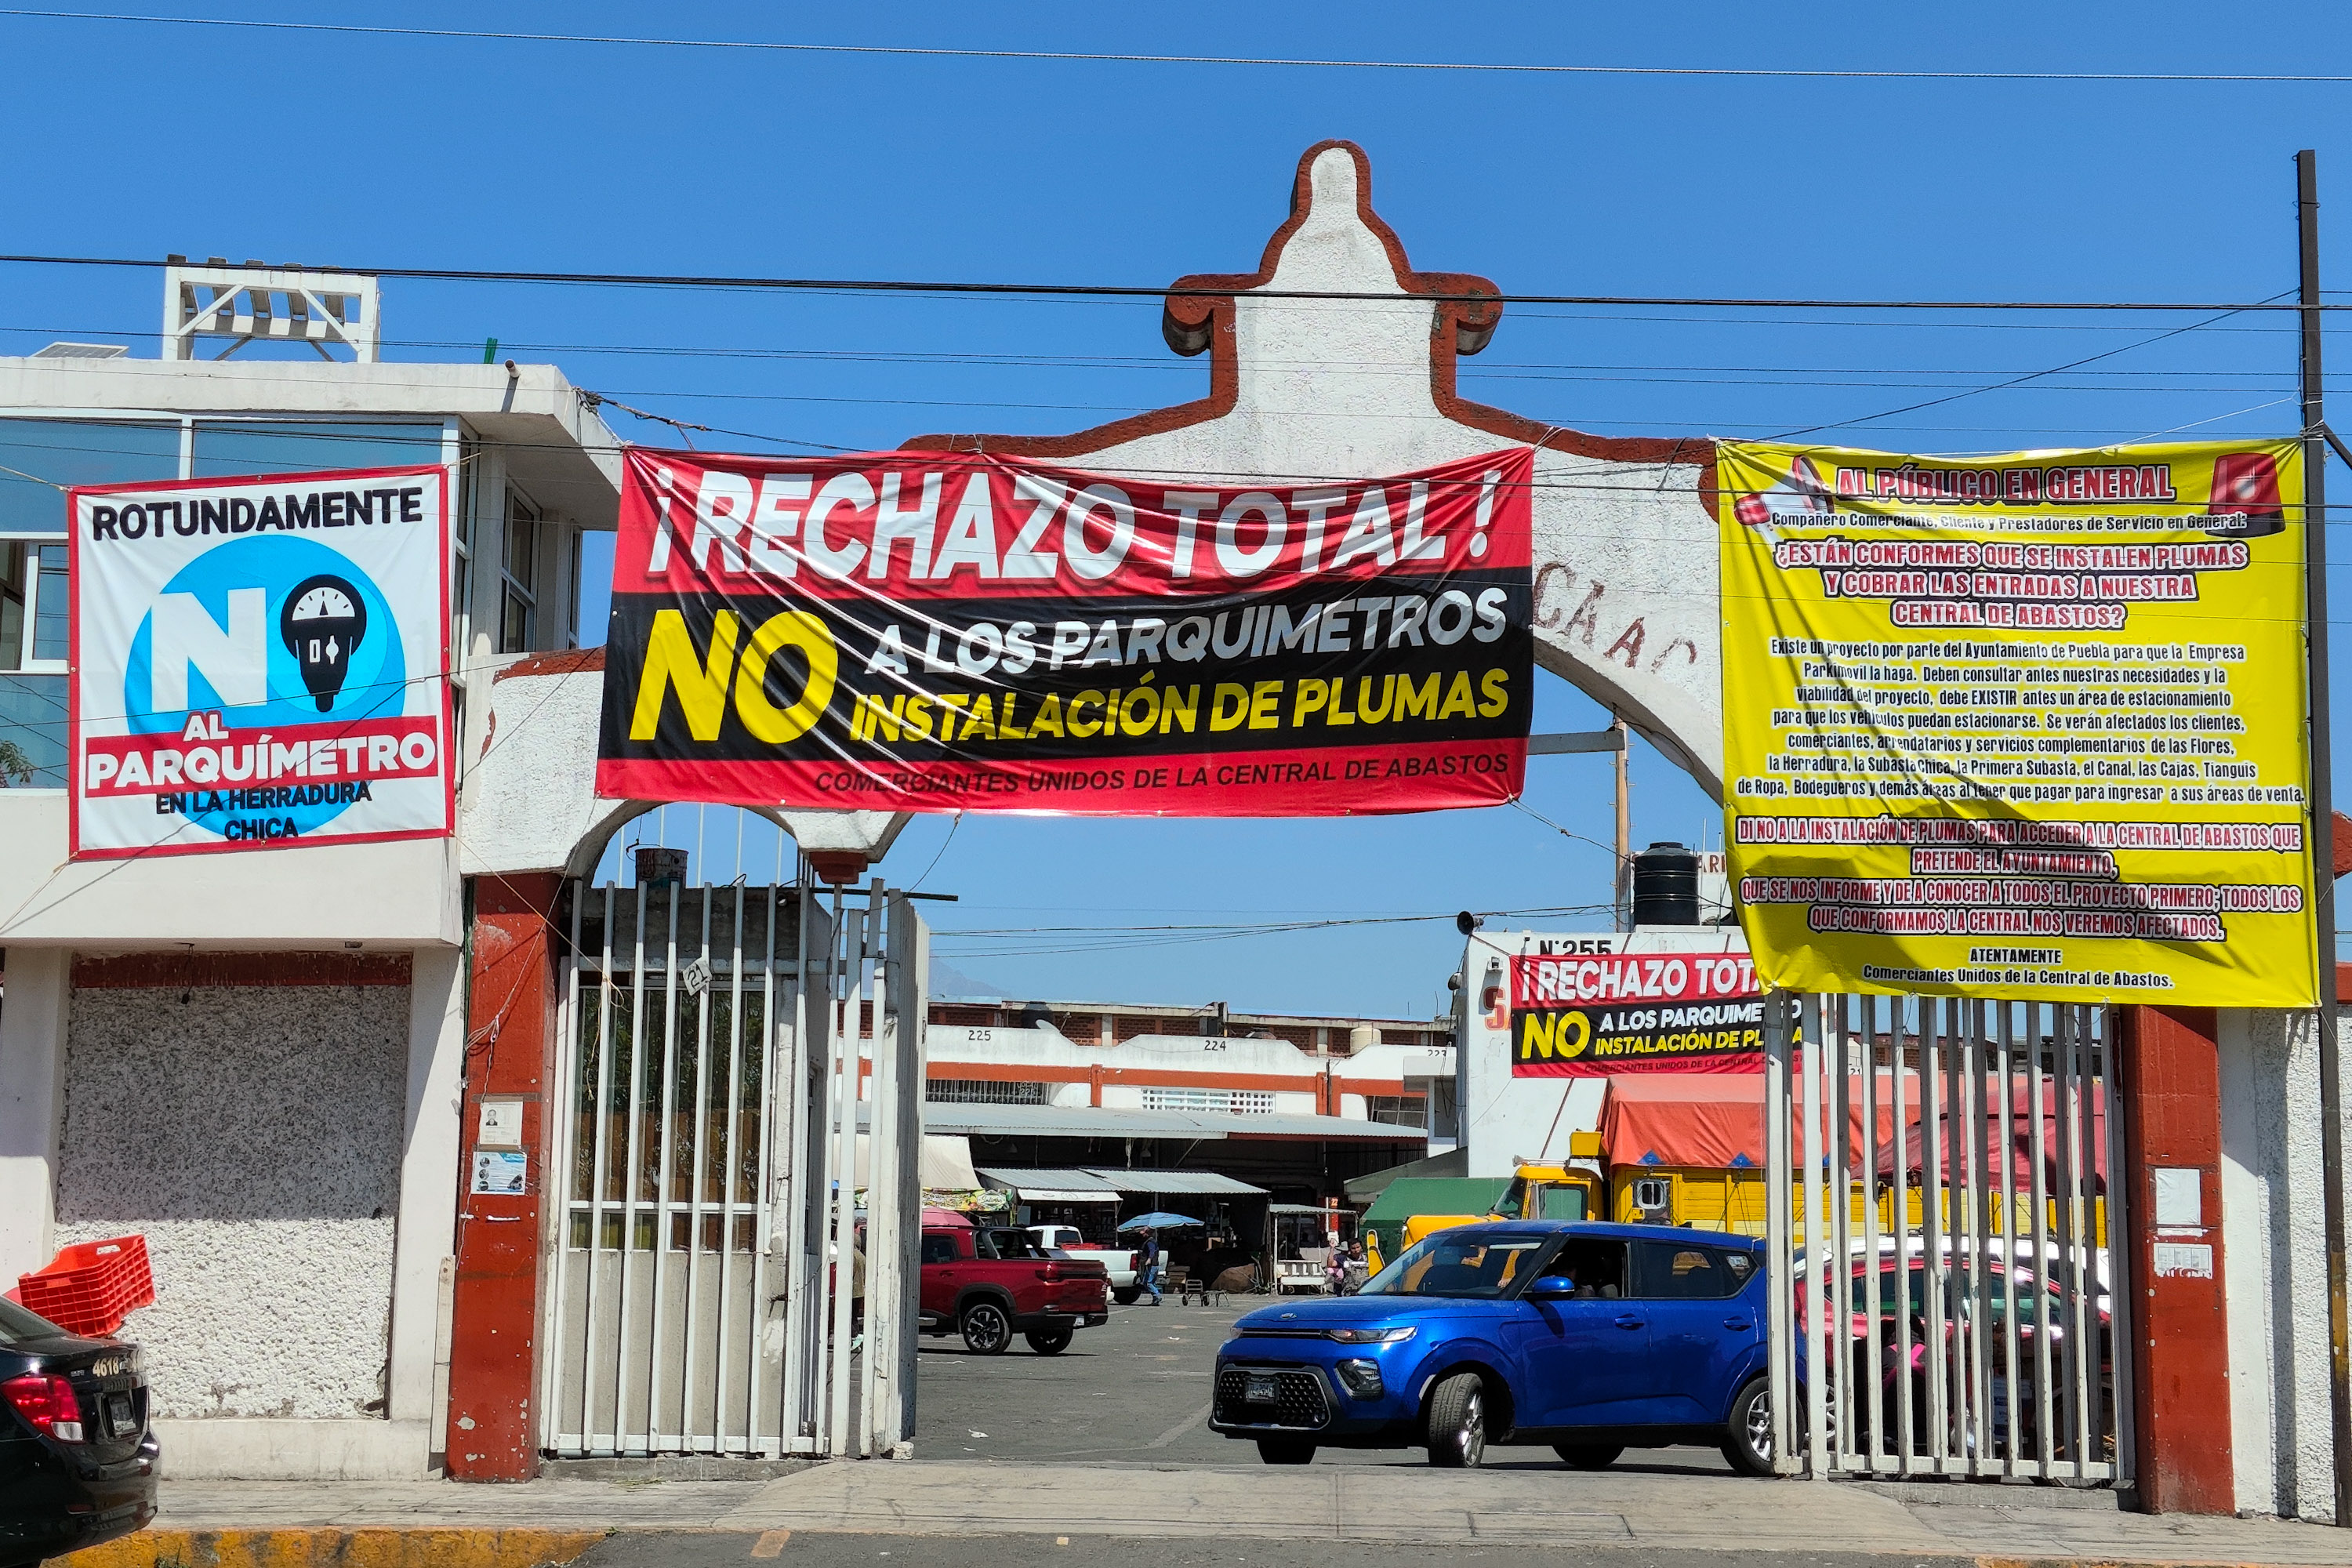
(1672, 1270)
(227, 448)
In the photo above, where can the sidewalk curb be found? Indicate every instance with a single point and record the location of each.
(426, 1546)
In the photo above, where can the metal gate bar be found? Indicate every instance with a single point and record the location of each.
(736, 1134)
(1947, 1279)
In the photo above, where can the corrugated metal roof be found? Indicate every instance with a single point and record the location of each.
(1103, 1121)
(1200, 1183)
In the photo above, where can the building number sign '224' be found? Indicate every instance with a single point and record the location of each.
(260, 663)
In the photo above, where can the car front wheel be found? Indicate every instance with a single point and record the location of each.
(1457, 1423)
(986, 1330)
(1747, 1439)
(1285, 1451)
(1050, 1341)
(1127, 1298)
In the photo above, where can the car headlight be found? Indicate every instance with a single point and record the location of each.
(1369, 1336)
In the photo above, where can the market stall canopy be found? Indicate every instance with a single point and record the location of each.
(2016, 1132)
(946, 1163)
(1715, 1121)
(1101, 1183)
(1162, 1221)
(1200, 1184)
(1114, 1122)
(1051, 1186)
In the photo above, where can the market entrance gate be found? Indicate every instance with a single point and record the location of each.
(724, 1230)
(1938, 1221)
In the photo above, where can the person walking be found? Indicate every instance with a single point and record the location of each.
(1147, 1263)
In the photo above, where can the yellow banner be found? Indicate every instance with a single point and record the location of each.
(2026, 726)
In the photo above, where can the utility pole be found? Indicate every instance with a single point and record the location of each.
(2323, 837)
(1624, 878)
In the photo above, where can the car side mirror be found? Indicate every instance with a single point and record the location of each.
(1552, 1288)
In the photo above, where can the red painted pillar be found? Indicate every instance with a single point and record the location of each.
(2171, 1102)
(510, 1037)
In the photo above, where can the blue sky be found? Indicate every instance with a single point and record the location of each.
(385, 152)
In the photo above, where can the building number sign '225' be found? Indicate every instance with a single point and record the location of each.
(260, 663)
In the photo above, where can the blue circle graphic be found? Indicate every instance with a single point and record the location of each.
(374, 684)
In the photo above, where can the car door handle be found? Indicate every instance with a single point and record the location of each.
(1628, 1321)
(1736, 1323)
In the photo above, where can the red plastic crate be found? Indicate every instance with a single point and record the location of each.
(90, 1287)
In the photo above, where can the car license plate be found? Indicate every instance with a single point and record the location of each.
(119, 1418)
(1259, 1390)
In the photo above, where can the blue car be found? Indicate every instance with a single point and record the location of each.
(1590, 1338)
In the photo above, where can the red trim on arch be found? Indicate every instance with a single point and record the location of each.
(1193, 321)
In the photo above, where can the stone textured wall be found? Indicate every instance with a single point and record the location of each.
(253, 1135)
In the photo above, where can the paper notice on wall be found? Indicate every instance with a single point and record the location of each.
(2028, 726)
(500, 1173)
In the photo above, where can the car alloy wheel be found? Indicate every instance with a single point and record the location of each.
(1747, 1442)
(986, 1330)
(1050, 1341)
(1457, 1423)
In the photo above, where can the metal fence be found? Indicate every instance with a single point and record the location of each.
(1944, 1299)
(726, 1234)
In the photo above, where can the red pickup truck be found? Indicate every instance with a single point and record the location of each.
(988, 1285)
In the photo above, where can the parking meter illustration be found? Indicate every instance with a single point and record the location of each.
(323, 621)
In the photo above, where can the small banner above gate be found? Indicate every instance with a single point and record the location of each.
(2028, 726)
(1598, 1014)
(933, 631)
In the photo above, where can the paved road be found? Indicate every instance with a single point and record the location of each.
(825, 1551)
(1136, 1391)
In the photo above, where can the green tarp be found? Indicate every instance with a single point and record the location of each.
(1410, 1196)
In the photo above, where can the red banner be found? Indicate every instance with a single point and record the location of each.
(932, 631)
(1598, 1014)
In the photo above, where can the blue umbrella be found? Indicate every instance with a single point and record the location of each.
(1162, 1222)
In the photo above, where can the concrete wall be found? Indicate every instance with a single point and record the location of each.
(253, 1134)
(2276, 1260)
(32, 1097)
(396, 895)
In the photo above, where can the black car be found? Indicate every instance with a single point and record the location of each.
(78, 1465)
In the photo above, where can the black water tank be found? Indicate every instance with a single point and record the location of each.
(1665, 886)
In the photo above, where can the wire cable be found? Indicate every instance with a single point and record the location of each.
(1111, 58)
(1170, 291)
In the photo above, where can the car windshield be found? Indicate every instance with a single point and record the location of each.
(19, 1327)
(1009, 1244)
(1454, 1264)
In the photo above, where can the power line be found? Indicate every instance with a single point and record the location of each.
(1483, 367)
(1109, 57)
(1165, 291)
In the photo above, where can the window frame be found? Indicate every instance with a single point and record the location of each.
(519, 510)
